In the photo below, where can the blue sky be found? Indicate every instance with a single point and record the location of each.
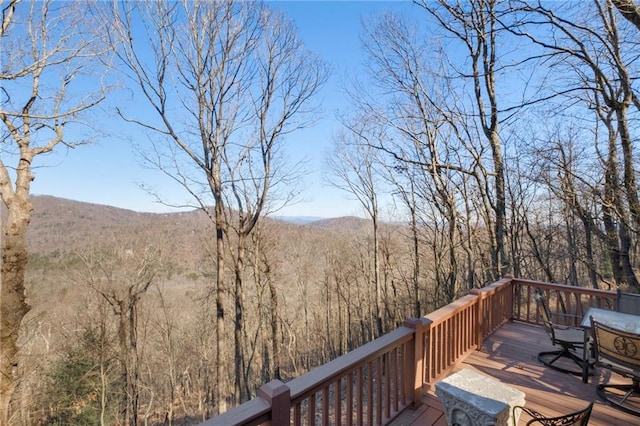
(108, 172)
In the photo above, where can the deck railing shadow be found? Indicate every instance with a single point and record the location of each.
(377, 381)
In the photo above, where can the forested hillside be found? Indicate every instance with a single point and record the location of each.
(309, 301)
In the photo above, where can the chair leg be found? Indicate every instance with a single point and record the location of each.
(564, 353)
(616, 400)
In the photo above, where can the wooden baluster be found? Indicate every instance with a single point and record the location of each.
(360, 388)
(325, 406)
(349, 399)
(337, 402)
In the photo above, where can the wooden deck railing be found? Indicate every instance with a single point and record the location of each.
(456, 330)
(377, 381)
(571, 300)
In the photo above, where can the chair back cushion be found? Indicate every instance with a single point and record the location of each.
(616, 349)
(545, 315)
(629, 303)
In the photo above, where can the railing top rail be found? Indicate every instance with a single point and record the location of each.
(252, 412)
(493, 287)
(565, 287)
(329, 372)
(464, 302)
(451, 309)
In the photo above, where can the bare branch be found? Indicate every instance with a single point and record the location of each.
(7, 14)
(630, 10)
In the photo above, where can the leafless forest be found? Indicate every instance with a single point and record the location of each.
(487, 137)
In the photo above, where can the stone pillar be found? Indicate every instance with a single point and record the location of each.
(472, 399)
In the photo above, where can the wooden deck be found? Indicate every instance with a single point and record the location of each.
(509, 355)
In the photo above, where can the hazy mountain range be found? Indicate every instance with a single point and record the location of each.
(63, 224)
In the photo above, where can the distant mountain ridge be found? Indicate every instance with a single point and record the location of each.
(55, 204)
(299, 220)
(60, 222)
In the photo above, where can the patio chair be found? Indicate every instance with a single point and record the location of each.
(579, 418)
(569, 339)
(628, 303)
(618, 351)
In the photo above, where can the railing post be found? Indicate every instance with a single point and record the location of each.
(479, 316)
(414, 361)
(511, 301)
(278, 395)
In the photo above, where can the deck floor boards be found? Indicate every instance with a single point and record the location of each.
(509, 355)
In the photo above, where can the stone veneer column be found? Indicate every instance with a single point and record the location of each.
(472, 399)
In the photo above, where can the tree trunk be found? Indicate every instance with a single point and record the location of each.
(571, 248)
(617, 221)
(13, 304)
(376, 273)
(127, 340)
(241, 394)
(484, 80)
(588, 237)
(219, 397)
(626, 142)
(275, 339)
(133, 393)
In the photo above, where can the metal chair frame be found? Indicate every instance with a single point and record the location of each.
(568, 338)
(578, 418)
(618, 351)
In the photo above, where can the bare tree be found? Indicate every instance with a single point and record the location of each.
(563, 163)
(422, 134)
(53, 51)
(597, 56)
(405, 184)
(263, 260)
(122, 279)
(227, 81)
(353, 162)
(475, 26)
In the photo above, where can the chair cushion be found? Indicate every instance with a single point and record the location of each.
(619, 368)
(571, 335)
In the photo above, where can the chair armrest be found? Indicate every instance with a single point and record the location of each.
(567, 327)
(560, 314)
(530, 411)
